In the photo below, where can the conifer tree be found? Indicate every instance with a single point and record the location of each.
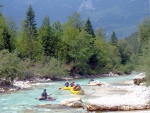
(113, 39)
(30, 24)
(6, 38)
(58, 32)
(47, 37)
(88, 28)
(29, 45)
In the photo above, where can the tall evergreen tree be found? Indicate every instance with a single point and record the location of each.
(6, 38)
(12, 27)
(113, 39)
(29, 46)
(47, 37)
(30, 30)
(88, 28)
(58, 32)
(30, 24)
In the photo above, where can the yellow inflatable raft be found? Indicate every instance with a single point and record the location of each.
(67, 88)
(74, 92)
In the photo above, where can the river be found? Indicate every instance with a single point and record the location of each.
(24, 101)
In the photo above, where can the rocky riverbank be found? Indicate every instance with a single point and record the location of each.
(135, 97)
(7, 86)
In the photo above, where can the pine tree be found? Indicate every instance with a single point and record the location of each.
(47, 37)
(12, 27)
(30, 25)
(30, 30)
(28, 45)
(113, 39)
(58, 32)
(6, 38)
(88, 28)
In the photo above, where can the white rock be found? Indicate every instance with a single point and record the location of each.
(136, 100)
(22, 85)
(74, 102)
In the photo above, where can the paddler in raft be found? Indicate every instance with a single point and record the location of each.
(72, 84)
(67, 84)
(77, 87)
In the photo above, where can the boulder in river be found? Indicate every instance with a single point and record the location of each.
(74, 102)
(131, 101)
(139, 79)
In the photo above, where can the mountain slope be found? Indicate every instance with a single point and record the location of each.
(122, 16)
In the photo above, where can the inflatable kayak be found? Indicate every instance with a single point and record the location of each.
(48, 99)
(74, 92)
(67, 88)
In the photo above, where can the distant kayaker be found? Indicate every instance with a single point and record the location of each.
(44, 95)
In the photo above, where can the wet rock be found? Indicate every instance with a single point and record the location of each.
(74, 102)
(82, 92)
(97, 83)
(139, 79)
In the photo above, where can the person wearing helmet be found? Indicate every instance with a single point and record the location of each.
(77, 87)
(44, 95)
(72, 84)
(67, 84)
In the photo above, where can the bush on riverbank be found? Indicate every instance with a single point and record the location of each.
(52, 68)
(10, 65)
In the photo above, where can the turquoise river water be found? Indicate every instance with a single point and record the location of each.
(24, 101)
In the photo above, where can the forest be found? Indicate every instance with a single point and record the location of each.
(55, 50)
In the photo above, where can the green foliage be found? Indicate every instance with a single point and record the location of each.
(27, 44)
(100, 32)
(58, 32)
(88, 28)
(125, 51)
(100, 51)
(114, 59)
(144, 36)
(69, 34)
(144, 30)
(72, 45)
(47, 37)
(32, 50)
(30, 24)
(10, 67)
(53, 68)
(113, 39)
(75, 21)
(12, 27)
(5, 37)
(133, 42)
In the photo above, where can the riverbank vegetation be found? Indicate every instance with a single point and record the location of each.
(72, 48)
